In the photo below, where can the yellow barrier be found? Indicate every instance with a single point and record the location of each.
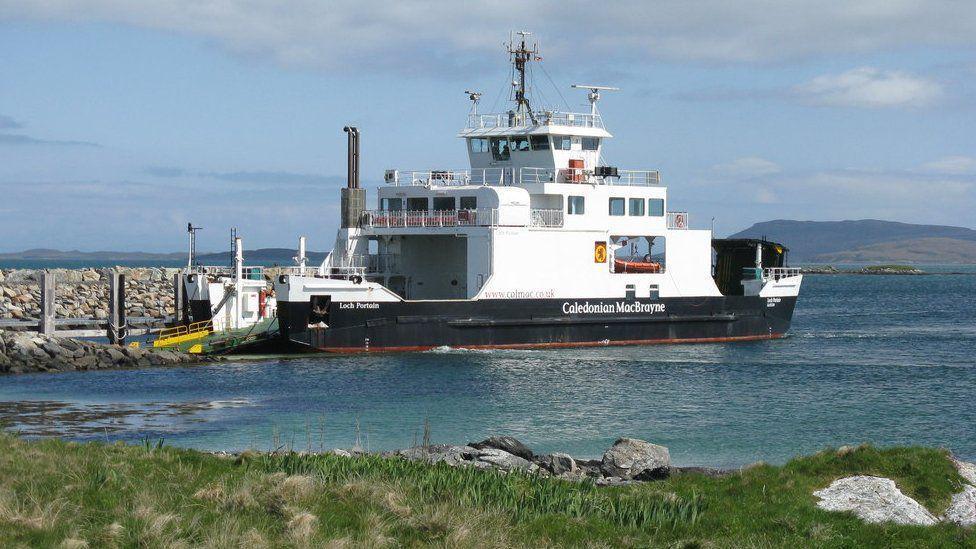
(179, 334)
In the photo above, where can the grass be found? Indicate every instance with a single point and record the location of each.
(891, 267)
(63, 494)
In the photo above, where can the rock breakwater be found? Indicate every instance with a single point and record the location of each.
(83, 293)
(22, 352)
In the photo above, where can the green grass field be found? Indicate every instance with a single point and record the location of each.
(61, 494)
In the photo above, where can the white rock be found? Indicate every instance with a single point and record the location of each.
(962, 509)
(966, 470)
(873, 499)
(506, 461)
(631, 458)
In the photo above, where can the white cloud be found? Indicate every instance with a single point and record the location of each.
(408, 33)
(870, 87)
(952, 165)
(750, 166)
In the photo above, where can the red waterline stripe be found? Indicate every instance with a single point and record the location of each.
(551, 345)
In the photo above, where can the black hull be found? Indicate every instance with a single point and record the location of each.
(532, 323)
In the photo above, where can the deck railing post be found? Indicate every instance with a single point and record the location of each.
(48, 294)
(179, 300)
(116, 329)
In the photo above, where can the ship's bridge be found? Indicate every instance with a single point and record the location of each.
(550, 140)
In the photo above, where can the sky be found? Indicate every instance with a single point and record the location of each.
(122, 121)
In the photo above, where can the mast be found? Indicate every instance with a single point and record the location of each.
(520, 55)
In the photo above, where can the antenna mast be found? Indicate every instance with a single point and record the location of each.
(520, 55)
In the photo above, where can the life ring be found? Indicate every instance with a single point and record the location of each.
(356, 279)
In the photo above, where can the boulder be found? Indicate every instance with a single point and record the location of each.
(873, 499)
(511, 445)
(962, 509)
(633, 459)
(505, 461)
(559, 464)
(437, 453)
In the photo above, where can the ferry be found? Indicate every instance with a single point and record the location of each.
(539, 243)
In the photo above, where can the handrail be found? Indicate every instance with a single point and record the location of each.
(542, 118)
(777, 273)
(481, 217)
(517, 176)
(185, 329)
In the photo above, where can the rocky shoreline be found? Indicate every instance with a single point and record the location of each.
(24, 352)
(627, 461)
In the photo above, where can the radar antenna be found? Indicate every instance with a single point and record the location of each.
(594, 94)
(520, 55)
(475, 97)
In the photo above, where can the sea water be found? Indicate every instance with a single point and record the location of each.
(889, 360)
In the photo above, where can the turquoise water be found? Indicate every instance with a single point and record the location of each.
(881, 359)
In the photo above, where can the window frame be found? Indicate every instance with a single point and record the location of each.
(385, 204)
(617, 200)
(442, 199)
(464, 199)
(571, 205)
(591, 140)
(656, 201)
(411, 208)
(516, 142)
(502, 144)
(485, 146)
(540, 143)
(631, 203)
(563, 140)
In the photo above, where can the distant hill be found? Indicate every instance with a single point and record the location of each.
(868, 240)
(281, 256)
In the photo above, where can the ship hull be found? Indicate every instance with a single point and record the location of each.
(356, 327)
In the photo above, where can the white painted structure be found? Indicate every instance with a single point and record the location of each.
(524, 221)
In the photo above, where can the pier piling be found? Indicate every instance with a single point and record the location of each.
(46, 324)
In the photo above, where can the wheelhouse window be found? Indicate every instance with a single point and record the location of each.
(391, 204)
(539, 142)
(442, 203)
(520, 143)
(562, 142)
(655, 207)
(469, 203)
(500, 149)
(636, 206)
(418, 204)
(575, 205)
(616, 206)
(478, 145)
(591, 143)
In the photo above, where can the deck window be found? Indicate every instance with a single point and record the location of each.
(591, 143)
(443, 203)
(520, 143)
(418, 204)
(469, 202)
(391, 204)
(478, 144)
(636, 206)
(500, 149)
(616, 206)
(575, 205)
(562, 142)
(655, 207)
(539, 142)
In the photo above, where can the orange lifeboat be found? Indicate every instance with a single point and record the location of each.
(621, 266)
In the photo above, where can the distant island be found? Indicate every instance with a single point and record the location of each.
(868, 241)
(824, 242)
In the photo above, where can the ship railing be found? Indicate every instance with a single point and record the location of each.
(777, 273)
(546, 218)
(542, 118)
(364, 264)
(435, 178)
(249, 272)
(678, 220)
(480, 217)
(518, 176)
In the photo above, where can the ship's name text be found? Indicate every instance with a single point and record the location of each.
(586, 308)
